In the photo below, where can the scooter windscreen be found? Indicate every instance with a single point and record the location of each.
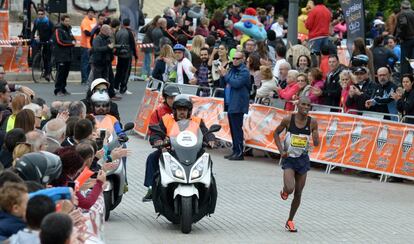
(186, 141)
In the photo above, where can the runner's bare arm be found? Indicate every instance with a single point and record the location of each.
(279, 129)
(315, 133)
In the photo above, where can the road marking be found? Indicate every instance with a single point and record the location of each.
(77, 93)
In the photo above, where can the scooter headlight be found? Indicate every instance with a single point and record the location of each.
(200, 167)
(176, 169)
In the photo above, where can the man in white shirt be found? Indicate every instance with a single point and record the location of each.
(280, 58)
(185, 74)
(278, 27)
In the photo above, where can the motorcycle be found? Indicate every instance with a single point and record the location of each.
(184, 190)
(115, 177)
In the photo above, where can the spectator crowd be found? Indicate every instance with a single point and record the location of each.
(377, 78)
(43, 152)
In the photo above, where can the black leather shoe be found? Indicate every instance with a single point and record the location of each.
(236, 157)
(228, 156)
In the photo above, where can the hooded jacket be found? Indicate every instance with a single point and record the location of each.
(9, 225)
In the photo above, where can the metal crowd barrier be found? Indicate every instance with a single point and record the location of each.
(376, 115)
(155, 85)
(218, 92)
(407, 117)
(326, 108)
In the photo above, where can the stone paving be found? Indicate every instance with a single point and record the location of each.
(335, 208)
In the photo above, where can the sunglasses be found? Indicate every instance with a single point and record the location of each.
(235, 58)
(102, 105)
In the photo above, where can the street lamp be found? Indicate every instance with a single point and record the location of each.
(293, 22)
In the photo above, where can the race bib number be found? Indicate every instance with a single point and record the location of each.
(299, 141)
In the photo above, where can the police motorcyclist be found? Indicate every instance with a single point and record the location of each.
(101, 107)
(168, 93)
(100, 84)
(182, 108)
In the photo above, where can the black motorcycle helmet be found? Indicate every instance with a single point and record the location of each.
(359, 60)
(182, 101)
(41, 167)
(170, 91)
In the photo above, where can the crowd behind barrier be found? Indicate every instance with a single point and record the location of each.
(367, 143)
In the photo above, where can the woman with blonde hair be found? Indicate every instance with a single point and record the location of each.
(18, 102)
(196, 46)
(203, 28)
(269, 83)
(346, 80)
(165, 64)
(20, 150)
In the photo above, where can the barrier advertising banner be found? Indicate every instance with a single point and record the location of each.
(14, 58)
(4, 24)
(148, 104)
(347, 140)
(354, 13)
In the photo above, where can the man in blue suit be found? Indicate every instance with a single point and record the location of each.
(237, 86)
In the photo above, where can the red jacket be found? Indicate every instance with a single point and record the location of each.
(287, 94)
(318, 21)
(156, 116)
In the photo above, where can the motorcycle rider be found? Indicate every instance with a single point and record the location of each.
(101, 107)
(107, 122)
(168, 93)
(182, 108)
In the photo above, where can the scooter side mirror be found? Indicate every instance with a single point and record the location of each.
(128, 126)
(214, 128)
(157, 129)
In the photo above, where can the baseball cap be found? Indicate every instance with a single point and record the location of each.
(360, 70)
(378, 22)
(405, 4)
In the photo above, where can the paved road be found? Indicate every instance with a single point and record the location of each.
(335, 208)
(128, 106)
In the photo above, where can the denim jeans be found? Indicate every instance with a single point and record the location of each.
(85, 67)
(316, 44)
(146, 70)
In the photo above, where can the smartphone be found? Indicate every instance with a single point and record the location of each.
(102, 134)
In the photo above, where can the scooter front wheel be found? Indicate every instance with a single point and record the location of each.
(186, 214)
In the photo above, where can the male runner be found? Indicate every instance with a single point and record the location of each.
(294, 152)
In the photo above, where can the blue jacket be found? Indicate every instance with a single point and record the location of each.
(237, 89)
(9, 225)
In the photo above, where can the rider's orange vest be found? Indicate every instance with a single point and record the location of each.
(172, 126)
(107, 123)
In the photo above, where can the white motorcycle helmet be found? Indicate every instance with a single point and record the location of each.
(100, 102)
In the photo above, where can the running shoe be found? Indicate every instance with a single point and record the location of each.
(148, 196)
(290, 226)
(284, 195)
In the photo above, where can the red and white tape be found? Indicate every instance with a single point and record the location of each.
(16, 41)
(146, 45)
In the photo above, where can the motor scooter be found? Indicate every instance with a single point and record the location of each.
(184, 190)
(116, 176)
